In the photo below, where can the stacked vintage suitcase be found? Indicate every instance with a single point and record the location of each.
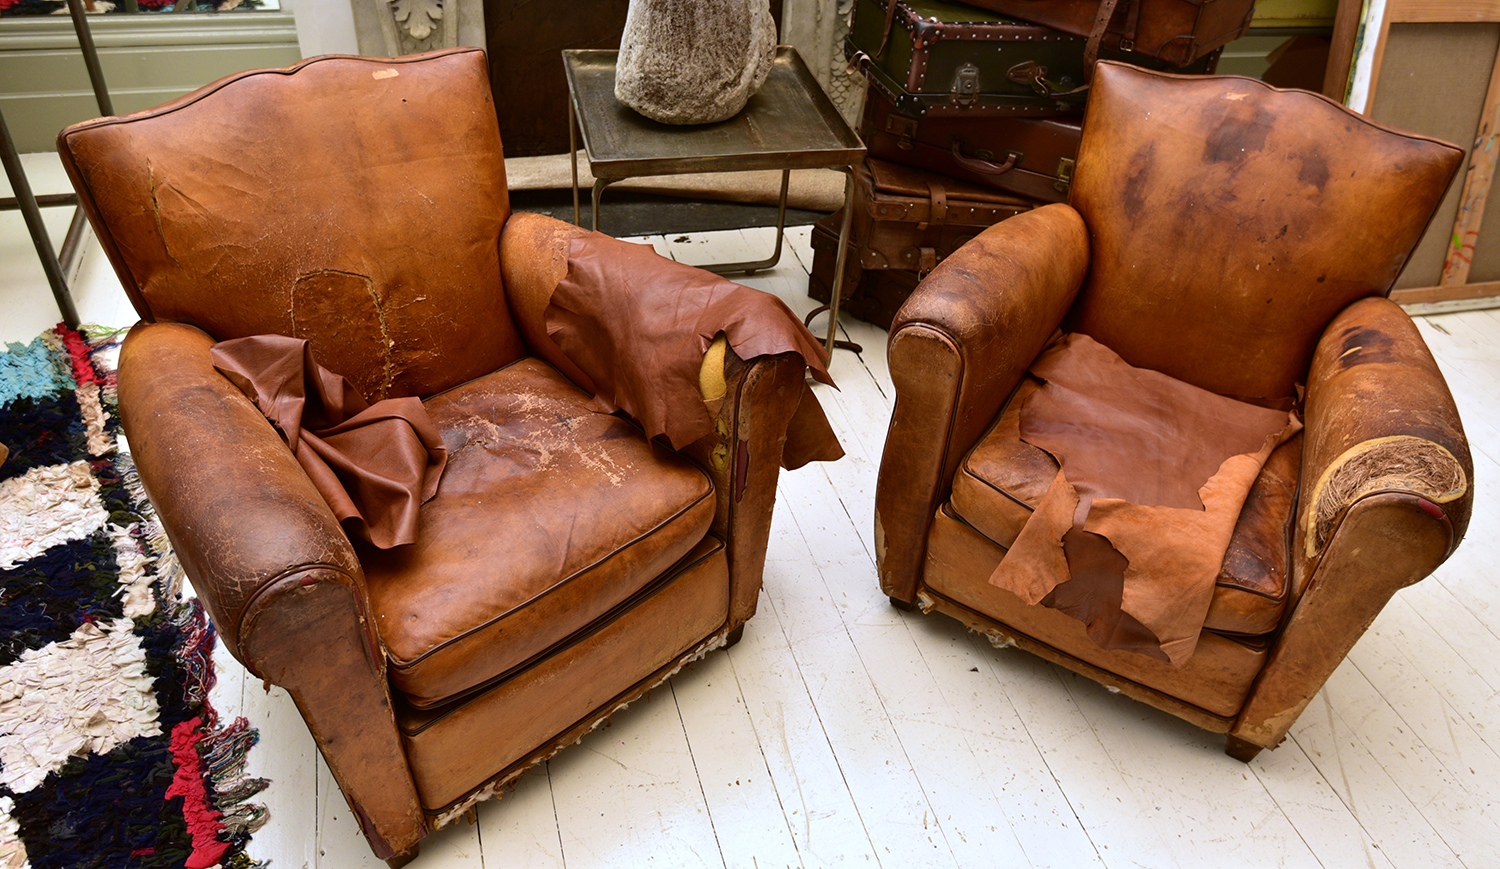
(973, 115)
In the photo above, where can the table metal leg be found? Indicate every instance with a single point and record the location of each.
(748, 268)
(573, 155)
(599, 185)
(751, 268)
(33, 216)
(72, 244)
(836, 292)
(90, 56)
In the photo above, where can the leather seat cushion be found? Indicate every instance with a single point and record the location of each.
(548, 515)
(1003, 478)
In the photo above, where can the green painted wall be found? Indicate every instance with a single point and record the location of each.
(147, 60)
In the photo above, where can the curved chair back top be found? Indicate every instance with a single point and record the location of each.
(1230, 221)
(355, 202)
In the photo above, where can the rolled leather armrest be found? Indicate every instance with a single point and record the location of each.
(958, 348)
(239, 510)
(270, 563)
(751, 403)
(533, 259)
(1386, 493)
(1380, 418)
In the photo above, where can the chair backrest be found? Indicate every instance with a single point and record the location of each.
(355, 202)
(1229, 222)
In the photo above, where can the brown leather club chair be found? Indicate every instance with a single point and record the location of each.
(1242, 239)
(566, 565)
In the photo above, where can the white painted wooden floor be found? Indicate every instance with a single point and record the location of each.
(841, 731)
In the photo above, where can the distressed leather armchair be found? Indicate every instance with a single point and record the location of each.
(567, 562)
(1242, 239)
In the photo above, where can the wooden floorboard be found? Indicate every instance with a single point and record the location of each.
(842, 732)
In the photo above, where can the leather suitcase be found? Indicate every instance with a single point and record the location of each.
(1032, 157)
(905, 222)
(905, 218)
(873, 296)
(1176, 32)
(931, 58)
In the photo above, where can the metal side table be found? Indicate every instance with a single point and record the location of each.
(789, 124)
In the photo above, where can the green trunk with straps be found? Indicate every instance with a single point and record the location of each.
(931, 57)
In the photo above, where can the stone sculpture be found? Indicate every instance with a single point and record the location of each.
(690, 62)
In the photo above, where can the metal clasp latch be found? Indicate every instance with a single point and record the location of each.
(1064, 174)
(965, 88)
(902, 126)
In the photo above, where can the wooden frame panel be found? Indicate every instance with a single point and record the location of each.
(1479, 175)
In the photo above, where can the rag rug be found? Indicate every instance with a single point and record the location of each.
(110, 753)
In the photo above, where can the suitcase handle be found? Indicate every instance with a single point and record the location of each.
(1034, 74)
(983, 167)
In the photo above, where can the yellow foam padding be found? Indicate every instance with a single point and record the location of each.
(711, 381)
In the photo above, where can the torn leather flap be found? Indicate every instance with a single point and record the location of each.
(638, 325)
(375, 465)
(1155, 470)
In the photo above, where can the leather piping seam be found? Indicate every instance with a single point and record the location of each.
(214, 87)
(947, 510)
(967, 467)
(402, 664)
(264, 589)
(1289, 537)
(1014, 633)
(511, 364)
(607, 618)
(548, 749)
(734, 447)
(1453, 539)
(107, 238)
(936, 496)
(1350, 113)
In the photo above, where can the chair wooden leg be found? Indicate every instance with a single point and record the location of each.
(400, 860)
(734, 636)
(1241, 750)
(902, 605)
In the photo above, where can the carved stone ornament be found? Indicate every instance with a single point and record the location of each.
(691, 62)
(391, 28)
(410, 26)
(418, 17)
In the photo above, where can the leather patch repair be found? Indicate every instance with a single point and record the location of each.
(374, 464)
(1131, 534)
(639, 324)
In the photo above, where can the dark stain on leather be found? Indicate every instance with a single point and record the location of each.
(1133, 197)
(1363, 346)
(1241, 131)
(1314, 171)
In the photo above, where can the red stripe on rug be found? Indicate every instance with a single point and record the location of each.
(79, 354)
(203, 820)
